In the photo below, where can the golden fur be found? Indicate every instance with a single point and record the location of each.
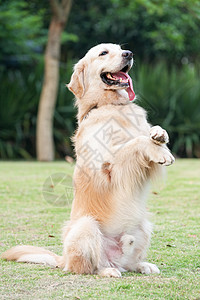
(117, 154)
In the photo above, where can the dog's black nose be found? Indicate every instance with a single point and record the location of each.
(127, 54)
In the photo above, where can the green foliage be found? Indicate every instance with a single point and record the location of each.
(162, 34)
(64, 116)
(150, 28)
(20, 31)
(171, 97)
(18, 102)
(20, 93)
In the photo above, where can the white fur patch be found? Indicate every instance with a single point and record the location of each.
(127, 244)
(38, 259)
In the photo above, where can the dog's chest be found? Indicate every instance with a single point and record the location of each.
(132, 121)
(122, 124)
(107, 130)
(128, 213)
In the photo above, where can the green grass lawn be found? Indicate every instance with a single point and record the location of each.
(27, 218)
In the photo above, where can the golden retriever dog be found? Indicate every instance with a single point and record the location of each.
(118, 153)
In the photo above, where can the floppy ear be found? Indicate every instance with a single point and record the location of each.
(76, 85)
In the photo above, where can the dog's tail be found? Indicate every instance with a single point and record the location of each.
(31, 254)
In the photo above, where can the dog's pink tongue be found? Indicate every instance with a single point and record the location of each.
(129, 90)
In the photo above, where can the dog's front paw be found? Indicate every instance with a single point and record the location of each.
(159, 135)
(162, 156)
(146, 268)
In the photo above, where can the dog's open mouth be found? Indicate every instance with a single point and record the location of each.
(120, 79)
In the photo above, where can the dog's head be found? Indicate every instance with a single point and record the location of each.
(105, 66)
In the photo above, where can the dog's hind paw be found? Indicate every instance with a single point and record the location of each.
(110, 272)
(146, 268)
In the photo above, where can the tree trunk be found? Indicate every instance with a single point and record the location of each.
(44, 134)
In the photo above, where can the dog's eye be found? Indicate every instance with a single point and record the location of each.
(103, 53)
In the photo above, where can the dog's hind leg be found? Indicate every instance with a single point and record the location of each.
(82, 246)
(142, 241)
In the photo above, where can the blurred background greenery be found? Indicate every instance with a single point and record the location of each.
(164, 36)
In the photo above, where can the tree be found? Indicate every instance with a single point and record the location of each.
(44, 132)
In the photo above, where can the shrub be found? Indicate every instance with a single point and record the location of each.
(20, 93)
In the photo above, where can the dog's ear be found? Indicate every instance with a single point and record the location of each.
(76, 84)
